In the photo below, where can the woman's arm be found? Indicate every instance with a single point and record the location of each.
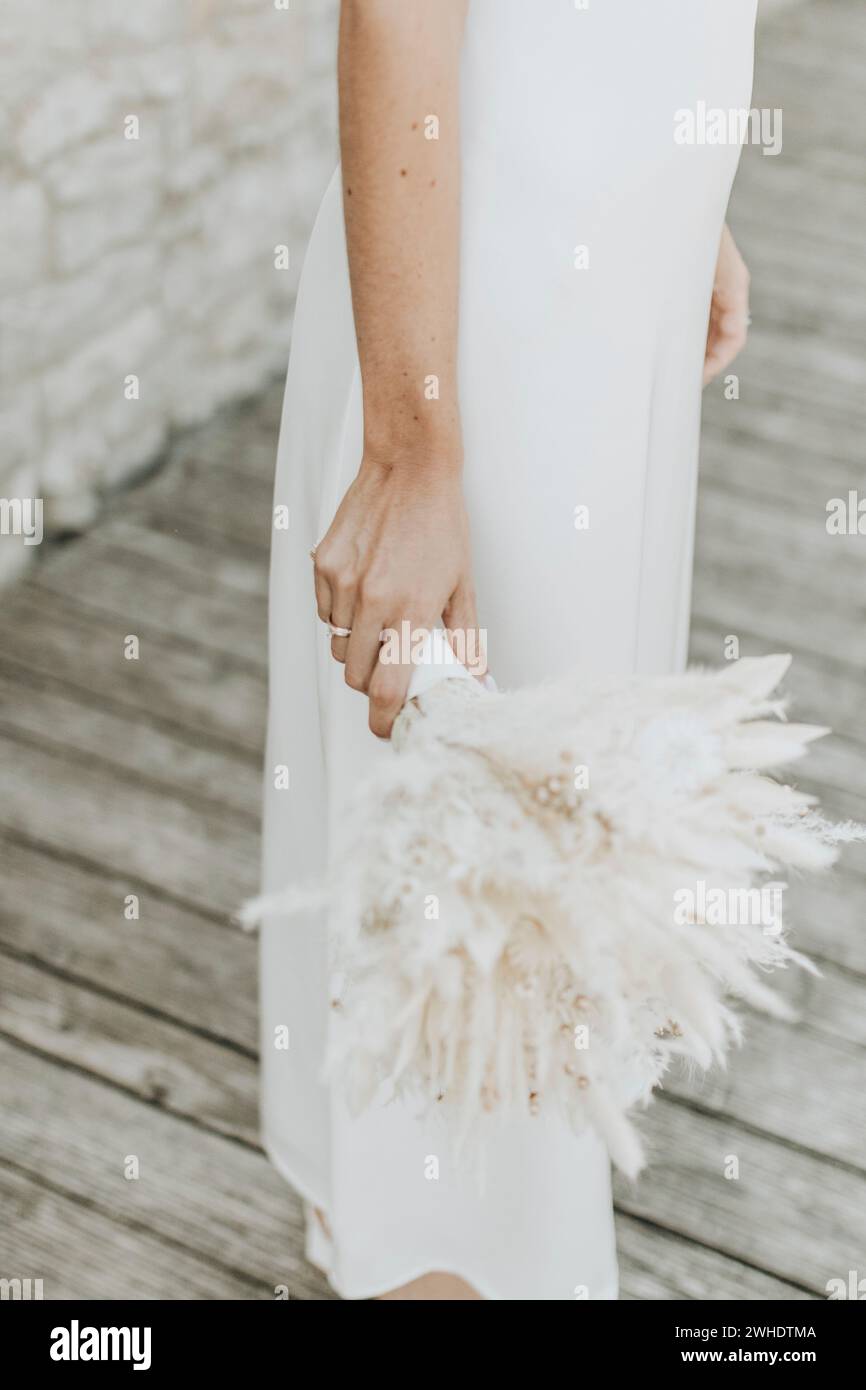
(399, 63)
(398, 548)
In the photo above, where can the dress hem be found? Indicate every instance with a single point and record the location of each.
(376, 1289)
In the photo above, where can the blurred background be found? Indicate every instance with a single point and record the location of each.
(161, 170)
(163, 163)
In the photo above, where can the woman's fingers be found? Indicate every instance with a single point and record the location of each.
(323, 591)
(387, 692)
(342, 615)
(335, 600)
(362, 652)
(467, 639)
(713, 362)
(728, 333)
(729, 309)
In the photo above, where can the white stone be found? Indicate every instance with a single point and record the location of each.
(22, 432)
(102, 363)
(43, 324)
(114, 26)
(67, 110)
(242, 217)
(185, 284)
(152, 257)
(164, 74)
(192, 387)
(189, 169)
(236, 323)
(23, 234)
(85, 233)
(53, 30)
(109, 162)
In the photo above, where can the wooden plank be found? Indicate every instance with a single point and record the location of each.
(154, 595)
(770, 411)
(782, 295)
(219, 1199)
(154, 1059)
(776, 606)
(162, 516)
(37, 708)
(657, 1266)
(832, 1004)
(827, 918)
(746, 462)
(209, 1195)
(241, 438)
(181, 685)
(80, 1253)
(797, 1217)
(808, 188)
(795, 566)
(204, 855)
(243, 570)
(776, 1085)
(220, 505)
(171, 961)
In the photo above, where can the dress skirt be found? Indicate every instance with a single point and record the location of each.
(589, 235)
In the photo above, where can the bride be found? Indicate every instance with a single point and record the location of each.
(517, 283)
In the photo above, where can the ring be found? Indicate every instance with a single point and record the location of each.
(339, 631)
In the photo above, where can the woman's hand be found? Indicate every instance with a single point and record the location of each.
(729, 311)
(397, 551)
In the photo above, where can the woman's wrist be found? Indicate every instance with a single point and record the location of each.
(413, 444)
(413, 465)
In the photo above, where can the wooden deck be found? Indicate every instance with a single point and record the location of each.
(142, 777)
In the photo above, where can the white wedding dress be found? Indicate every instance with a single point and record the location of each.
(580, 382)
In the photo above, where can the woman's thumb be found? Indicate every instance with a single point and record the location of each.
(468, 641)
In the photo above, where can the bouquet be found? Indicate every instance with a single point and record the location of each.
(545, 896)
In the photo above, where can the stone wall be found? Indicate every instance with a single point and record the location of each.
(162, 163)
